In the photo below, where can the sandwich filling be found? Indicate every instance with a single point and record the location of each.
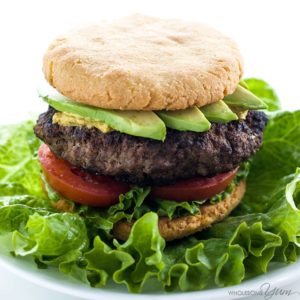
(169, 162)
(154, 124)
(146, 162)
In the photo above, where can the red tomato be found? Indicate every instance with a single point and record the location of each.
(196, 188)
(78, 185)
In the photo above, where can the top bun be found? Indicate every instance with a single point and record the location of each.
(144, 63)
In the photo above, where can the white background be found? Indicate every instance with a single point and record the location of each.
(267, 32)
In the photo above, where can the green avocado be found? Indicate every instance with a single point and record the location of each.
(138, 123)
(218, 112)
(190, 119)
(242, 97)
(244, 84)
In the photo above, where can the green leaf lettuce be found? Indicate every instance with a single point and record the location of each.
(264, 228)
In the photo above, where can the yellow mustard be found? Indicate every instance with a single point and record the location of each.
(68, 119)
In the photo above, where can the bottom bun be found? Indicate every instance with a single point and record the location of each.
(187, 225)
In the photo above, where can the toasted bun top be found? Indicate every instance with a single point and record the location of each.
(144, 63)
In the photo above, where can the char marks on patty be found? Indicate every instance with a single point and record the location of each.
(141, 161)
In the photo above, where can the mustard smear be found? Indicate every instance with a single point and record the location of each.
(67, 119)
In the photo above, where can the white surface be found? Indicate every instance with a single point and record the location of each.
(29, 291)
(266, 30)
(278, 281)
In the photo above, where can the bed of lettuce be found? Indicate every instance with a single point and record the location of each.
(265, 227)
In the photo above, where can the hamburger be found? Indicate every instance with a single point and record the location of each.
(153, 104)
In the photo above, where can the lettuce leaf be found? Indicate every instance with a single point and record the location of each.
(273, 165)
(133, 204)
(246, 243)
(18, 160)
(264, 91)
(263, 229)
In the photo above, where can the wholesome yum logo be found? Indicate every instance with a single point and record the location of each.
(266, 291)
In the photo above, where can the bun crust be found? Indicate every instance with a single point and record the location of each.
(144, 63)
(187, 225)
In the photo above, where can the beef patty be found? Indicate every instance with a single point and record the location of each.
(142, 161)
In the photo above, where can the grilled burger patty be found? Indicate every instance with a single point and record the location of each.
(143, 162)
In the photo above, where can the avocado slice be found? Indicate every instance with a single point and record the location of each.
(219, 112)
(240, 112)
(244, 84)
(138, 123)
(245, 99)
(190, 119)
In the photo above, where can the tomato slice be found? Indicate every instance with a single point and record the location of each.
(196, 188)
(78, 185)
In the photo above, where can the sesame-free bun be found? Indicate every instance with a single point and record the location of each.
(144, 63)
(183, 226)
